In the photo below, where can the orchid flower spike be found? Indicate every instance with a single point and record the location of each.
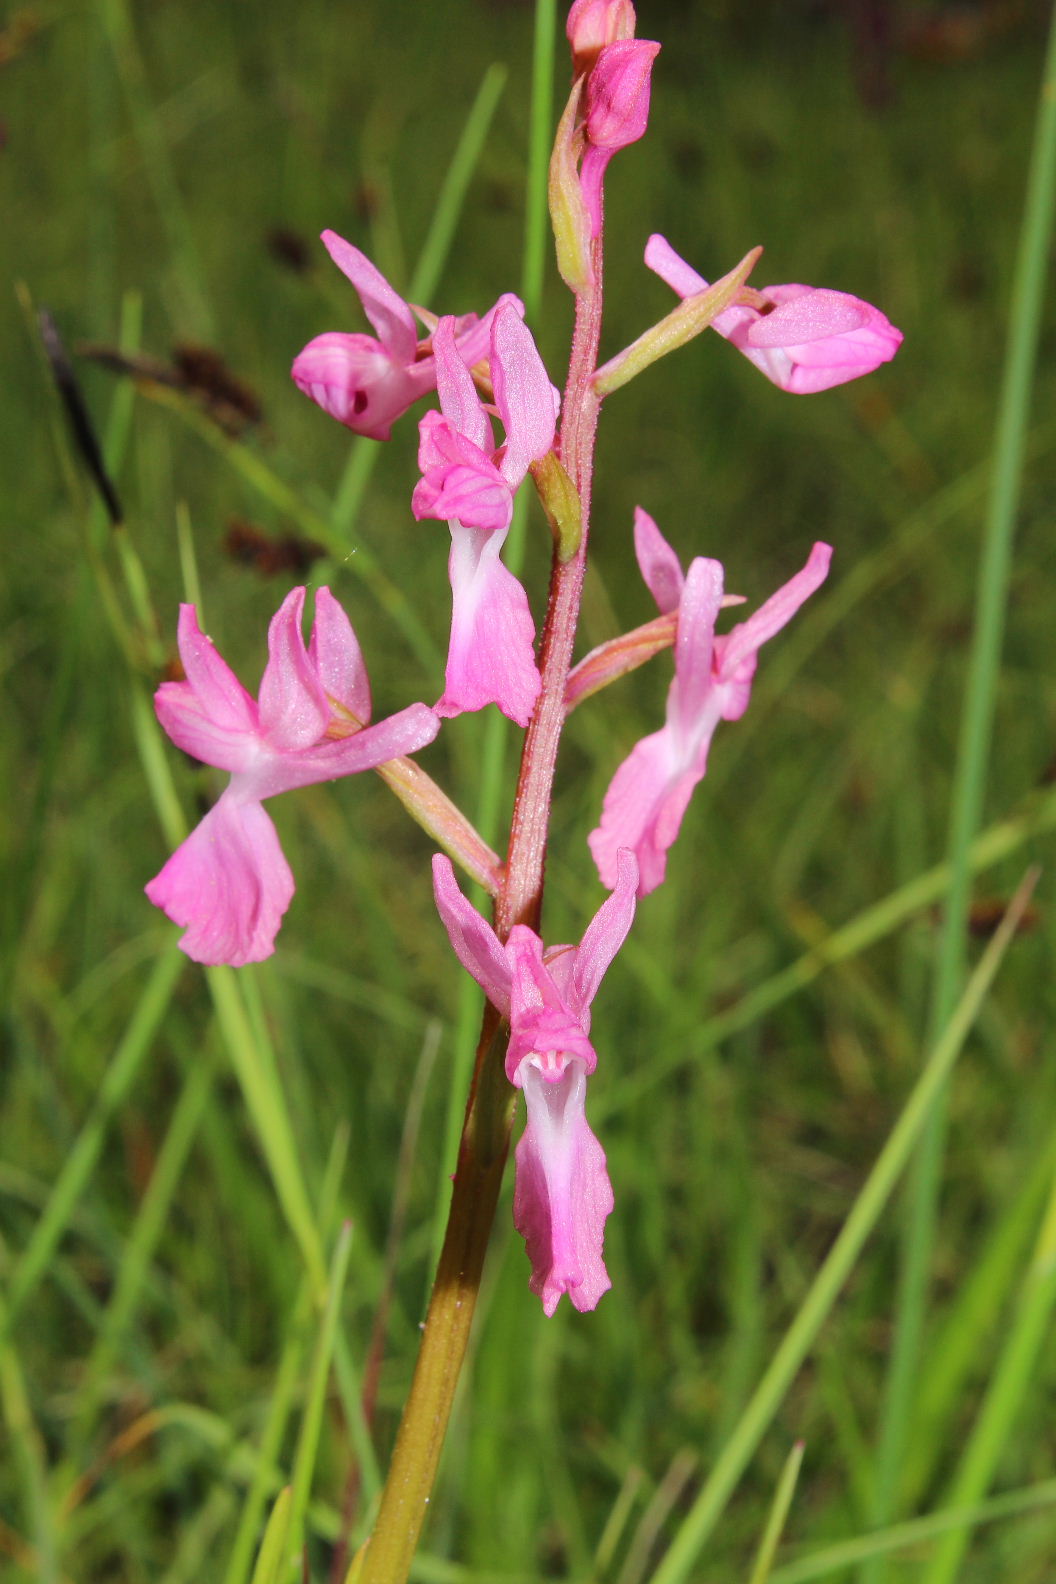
(229, 884)
(367, 383)
(803, 338)
(562, 1194)
(470, 482)
(650, 792)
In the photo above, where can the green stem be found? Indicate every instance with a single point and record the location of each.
(445, 1336)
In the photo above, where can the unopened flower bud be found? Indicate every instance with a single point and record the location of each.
(594, 23)
(617, 97)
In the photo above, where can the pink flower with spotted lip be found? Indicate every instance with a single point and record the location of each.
(562, 1194)
(803, 338)
(650, 792)
(470, 483)
(229, 884)
(367, 383)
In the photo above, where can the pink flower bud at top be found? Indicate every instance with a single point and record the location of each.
(617, 97)
(594, 23)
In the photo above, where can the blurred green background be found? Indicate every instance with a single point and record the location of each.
(179, 160)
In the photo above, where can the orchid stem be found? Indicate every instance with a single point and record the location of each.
(489, 1114)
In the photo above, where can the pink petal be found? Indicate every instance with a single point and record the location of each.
(491, 657)
(814, 338)
(228, 885)
(293, 708)
(672, 269)
(353, 379)
(807, 313)
(604, 936)
(473, 335)
(644, 807)
(736, 652)
(543, 1023)
(472, 938)
(458, 395)
(219, 691)
(386, 310)
(658, 563)
(527, 402)
(617, 94)
(403, 733)
(210, 716)
(337, 659)
(562, 1194)
(694, 647)
(459, 480)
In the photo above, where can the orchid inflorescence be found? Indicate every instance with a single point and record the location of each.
(229, 884)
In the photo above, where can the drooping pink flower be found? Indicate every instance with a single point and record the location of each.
(367, 383)
(469, 482)
(616, 112)
(803, 338)
(229, 884)
(594, 23)
(562, 1194)
(650, 792)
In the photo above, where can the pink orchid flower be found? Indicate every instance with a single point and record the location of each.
(229, 884)
(562, 1194)
(471, 483)
(367, 384)
(650, 792)
(803, 338)
(616, 112)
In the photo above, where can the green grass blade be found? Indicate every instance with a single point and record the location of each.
(916, 1532)
(308, 1441)
(82, 1159)
(272, 1565)
(793, 1349)
(28, 1457)
(1016, 1371)
(258, 1078)
(287, 1376)
(540, 137)
(143, 1240)
(455, 185)
(786, 1488)
(959, 1342)
(172, 214)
